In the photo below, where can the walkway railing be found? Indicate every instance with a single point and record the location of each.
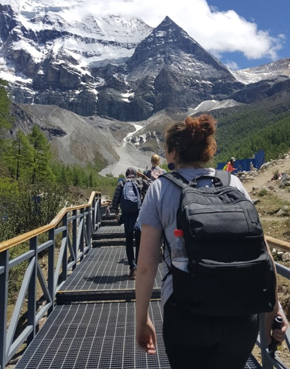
(267, 361)
(66, 240)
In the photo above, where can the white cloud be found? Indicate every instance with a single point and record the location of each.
(231, 65)
(216, 31)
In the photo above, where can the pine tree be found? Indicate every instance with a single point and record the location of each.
(5, 119)
(41, 156)
(18, 156)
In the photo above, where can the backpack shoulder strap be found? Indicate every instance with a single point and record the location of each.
(224, 176)
(176, 178)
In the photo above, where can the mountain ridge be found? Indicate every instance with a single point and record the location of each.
(114, 73)
(111, 66)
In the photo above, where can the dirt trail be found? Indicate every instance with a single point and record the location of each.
(263, 178)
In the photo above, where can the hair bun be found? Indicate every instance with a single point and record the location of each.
(202, 126)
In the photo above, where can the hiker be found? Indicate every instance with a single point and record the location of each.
(155, 170)
(192, 340)
(130, 210)
(230, 165)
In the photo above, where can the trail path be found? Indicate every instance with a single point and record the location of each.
(264, 179)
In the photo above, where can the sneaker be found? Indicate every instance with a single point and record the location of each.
(132, 274)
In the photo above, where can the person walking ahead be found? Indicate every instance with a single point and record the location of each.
(129, 195)
(192, 340)
(230, 165)
(155, 170)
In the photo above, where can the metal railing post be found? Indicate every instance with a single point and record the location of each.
(4, 262)
(99, 209)
(74, 237)
(82, 222)
(65, 256)
(31, 309)
(98, 213)
(94, 212)
(51, 256)
(88, 225)
(266, 363)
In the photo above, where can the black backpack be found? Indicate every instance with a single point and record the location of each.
(230, 271)
(130, 197)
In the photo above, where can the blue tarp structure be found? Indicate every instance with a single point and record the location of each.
(244, 164)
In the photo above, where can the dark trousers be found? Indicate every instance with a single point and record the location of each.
(195, 341)
(129, 247)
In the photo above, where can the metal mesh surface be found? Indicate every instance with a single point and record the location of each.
(104, 268)
(116, 230)
(93, 336)
(252, 363)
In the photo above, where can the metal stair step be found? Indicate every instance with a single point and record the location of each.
(109, 242)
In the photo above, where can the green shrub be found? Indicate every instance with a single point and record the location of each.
(262, 192)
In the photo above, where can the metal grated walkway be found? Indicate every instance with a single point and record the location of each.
(104, 268)
(102, 275)
(91, 335)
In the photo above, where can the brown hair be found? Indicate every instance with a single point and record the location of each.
(192, 139)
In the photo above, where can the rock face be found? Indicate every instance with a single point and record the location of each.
(48, 60)
(117, 67)
(170, 70)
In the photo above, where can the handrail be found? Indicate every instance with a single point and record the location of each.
(5, 245)
(274, 242)
(72, 229)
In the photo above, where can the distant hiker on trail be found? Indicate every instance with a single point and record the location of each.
(203, 325)
(155, 170)
(230, 165)
(129, 195)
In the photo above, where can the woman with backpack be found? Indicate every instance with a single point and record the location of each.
(192, 340)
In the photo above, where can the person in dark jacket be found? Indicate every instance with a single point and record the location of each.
(129, 219)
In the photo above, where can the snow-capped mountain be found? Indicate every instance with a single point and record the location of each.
(48, 47)
(60, 52)
(262, 72)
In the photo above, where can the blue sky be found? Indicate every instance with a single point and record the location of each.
(241, 34)
(269, 15)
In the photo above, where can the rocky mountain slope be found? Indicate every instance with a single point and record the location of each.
(83, 140)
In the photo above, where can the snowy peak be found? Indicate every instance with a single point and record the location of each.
(169, 32)
(167, 40)
(54, 28)
(262, 72)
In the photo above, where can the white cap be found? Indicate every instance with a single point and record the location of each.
(232, 158)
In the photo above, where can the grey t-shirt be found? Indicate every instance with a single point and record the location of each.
(159, 211)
